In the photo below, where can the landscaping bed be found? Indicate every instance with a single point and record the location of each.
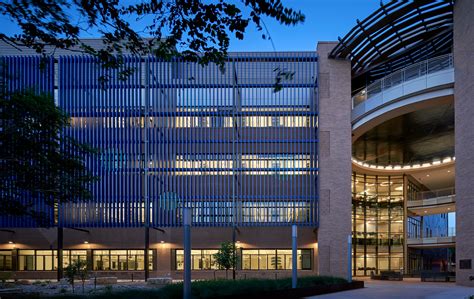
(230, 289)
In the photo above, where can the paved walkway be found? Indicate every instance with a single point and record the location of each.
(407, 289)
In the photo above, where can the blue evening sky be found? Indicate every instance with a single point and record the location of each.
(325, 21)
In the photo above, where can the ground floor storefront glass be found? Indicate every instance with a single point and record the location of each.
(100, 260)
(121, 260)
(47, 260)
(275, 259)
(248, 259)
(201, 259)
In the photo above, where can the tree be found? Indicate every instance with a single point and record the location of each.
(70, 272)
(191, 29)
(77, 268)
(39, 162)
(226, 256)
(82, 272)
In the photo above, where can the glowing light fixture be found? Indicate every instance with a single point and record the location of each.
(435, 162)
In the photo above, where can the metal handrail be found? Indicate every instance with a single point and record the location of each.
(422, 195)
(408, 73)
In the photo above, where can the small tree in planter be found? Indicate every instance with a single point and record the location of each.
(226, 257)
(70, 272)
(82, 272)
(77, 268)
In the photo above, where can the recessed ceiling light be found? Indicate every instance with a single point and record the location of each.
(449, 170)
(427, 175)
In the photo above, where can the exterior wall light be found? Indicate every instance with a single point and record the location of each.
(435, 162)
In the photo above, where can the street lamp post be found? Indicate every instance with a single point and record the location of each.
(187, 217)
(294, 247)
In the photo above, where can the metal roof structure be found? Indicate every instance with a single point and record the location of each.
(397, 34)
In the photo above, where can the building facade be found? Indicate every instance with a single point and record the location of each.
(358, 144)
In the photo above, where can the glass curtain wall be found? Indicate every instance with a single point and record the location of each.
(377, 223)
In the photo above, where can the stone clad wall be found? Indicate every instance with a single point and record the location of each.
(334, 162)
(464, 137)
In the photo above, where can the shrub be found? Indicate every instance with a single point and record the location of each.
(219, 288)
(215, 288)
(4, 276)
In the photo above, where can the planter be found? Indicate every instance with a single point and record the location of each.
(300, 292)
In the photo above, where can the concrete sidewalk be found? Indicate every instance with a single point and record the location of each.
(409, 288)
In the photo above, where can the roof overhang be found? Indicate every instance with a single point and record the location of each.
(395, 35)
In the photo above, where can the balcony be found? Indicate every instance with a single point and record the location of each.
(433, 242)
(432, 78)
(433, 202)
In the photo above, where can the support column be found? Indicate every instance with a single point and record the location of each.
(234, 248)
(147, 248)
(294, 256)
(334, 85)
(60, 252)
(187, 217)
(464, 139)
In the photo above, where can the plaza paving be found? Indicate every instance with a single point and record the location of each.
(407, 289)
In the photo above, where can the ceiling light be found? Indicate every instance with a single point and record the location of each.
(11, 242)
(427, 175)
(86, 242)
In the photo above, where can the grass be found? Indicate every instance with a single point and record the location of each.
(214, 288)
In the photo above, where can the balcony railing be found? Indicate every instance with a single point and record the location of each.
(423, 195)
(411, 72)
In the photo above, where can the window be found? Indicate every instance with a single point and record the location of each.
(70, 256)
(46, 260)
(121, 260)
(262, 164)
(26, 260)
(201, 259)
(276, 211)
(5, 260)
(275, 259)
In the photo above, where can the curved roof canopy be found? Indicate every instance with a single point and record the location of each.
(399, 33)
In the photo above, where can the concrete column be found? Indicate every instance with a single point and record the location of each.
(187, 219)
(60, 247)
(334, 79)
(464, 139)
(294, 256)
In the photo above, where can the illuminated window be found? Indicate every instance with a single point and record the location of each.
(6, 260)
(121, 260)
(222, 164)
(201, 259)
(47, 260)
(275, 259)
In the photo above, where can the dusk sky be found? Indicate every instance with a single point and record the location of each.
(325, 21)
